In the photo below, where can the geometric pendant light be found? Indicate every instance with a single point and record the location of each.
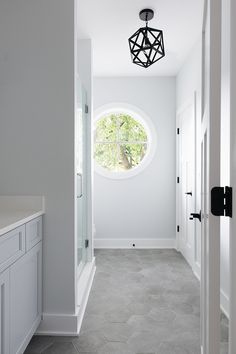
(146, 44)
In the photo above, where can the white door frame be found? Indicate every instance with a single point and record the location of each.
(232, 247)
(211, 116)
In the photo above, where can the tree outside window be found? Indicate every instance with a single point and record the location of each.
(120, 142)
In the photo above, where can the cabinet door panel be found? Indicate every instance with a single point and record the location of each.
(4, 313)
(25, 298)
(12, 247)
(33, 232)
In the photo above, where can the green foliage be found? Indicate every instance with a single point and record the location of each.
(106, 155)
(120, 142)
(106, 129)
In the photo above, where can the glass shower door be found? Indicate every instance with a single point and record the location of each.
(80, 153)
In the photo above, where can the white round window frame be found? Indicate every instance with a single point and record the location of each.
(149, 127)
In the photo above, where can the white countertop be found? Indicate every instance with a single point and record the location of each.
(16, 211)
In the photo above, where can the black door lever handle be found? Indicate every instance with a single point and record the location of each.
(189, 193)
(196, 216)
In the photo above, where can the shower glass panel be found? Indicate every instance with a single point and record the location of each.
(80, 153)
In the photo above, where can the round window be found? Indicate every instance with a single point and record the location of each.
(122, 142)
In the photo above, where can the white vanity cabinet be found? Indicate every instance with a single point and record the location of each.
(5, 312)
(25, 299)
(21, 286)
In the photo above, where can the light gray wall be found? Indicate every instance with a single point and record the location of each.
(189, 77)
(37, 129)
(143, 206)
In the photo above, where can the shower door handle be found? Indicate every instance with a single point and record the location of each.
(79, 185)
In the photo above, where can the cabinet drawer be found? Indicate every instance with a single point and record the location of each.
(12, 247)
(33, 233)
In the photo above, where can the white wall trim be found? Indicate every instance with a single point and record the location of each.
(70, 324)
(139, 243)
(58, 325)
(85, 282)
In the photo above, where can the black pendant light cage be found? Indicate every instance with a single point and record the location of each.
(146, 44)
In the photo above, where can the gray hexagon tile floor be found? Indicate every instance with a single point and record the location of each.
(141, 302)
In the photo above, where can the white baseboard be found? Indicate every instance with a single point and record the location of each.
(70, 324)
(58, 325)
(84, 286)
(139, 243)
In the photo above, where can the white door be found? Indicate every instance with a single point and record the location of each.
(186, 120)
(81, 176)
(210, 155)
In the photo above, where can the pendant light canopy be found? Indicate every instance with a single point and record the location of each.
(146, 44)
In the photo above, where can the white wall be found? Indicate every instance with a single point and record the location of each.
(143, 206)
(189, 78)
(37, 130)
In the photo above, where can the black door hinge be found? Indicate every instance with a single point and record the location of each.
(222, 201)
(177, 228)
(177, 131)
(177, 179)
(86, 108)
(86, 243)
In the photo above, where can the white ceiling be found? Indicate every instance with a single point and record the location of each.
(109, 23)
